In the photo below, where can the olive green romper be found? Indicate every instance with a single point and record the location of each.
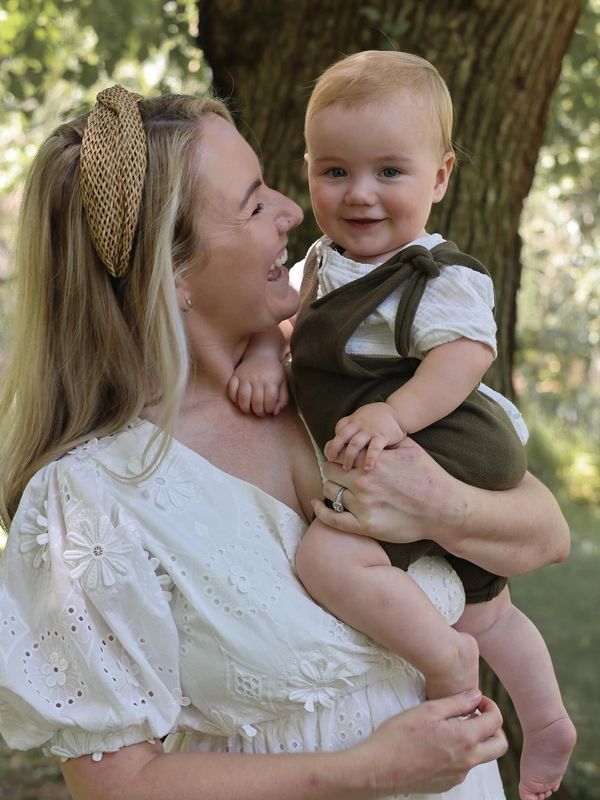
(475, 443)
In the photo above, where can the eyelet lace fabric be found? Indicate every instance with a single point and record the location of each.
(131, 611)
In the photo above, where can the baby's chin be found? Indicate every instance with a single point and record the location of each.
(370, 258)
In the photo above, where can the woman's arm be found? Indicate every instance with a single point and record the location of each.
(408, 496)
(427, 749)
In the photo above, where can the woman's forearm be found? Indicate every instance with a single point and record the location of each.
(223, 776)
(428, 749)
(408, 497)
(142, 773)
(510, 532)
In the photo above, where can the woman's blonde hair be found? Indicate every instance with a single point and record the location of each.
(361, 78)
(89, 351)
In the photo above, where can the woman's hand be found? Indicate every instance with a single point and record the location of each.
(430, 748)
(407, 496)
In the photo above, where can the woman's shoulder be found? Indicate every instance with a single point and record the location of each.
(75, 490)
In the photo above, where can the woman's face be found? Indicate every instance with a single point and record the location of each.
(239, 285)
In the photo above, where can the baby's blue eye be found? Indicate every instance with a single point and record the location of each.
(390, 172)
(258, 209)
(336, 172)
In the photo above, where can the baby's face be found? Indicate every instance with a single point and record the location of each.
(374, 171)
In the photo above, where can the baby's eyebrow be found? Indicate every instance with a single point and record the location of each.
(398, 159)
(327, 158)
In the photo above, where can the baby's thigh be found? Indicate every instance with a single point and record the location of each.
(477, 444)
(332, 555)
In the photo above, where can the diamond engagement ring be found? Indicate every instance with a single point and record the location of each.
(337, 504)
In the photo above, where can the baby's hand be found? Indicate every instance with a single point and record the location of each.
(374, 427)
(258, 384)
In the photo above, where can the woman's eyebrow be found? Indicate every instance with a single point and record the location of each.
(251, 189)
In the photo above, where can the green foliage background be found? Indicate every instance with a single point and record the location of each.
(558, 360)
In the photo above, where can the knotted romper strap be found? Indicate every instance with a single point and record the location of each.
(412, 267)
(329, 382)
(309, 285)
(426, 265)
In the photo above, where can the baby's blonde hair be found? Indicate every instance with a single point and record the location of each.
(374, 74)
(90, 351)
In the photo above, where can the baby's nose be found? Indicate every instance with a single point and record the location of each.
(360, 192)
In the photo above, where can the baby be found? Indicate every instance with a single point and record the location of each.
(394, 334)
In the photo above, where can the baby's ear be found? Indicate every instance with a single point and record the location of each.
(306, 158)
(442, 176)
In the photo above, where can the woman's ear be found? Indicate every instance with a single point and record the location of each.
(184, 301)
(442, 176)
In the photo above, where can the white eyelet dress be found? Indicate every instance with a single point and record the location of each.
(131, 610)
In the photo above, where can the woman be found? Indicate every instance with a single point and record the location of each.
(147, 583)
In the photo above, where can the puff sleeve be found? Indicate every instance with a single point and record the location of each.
(88, 645)
(458, 303)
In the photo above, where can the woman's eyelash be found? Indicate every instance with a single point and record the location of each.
(258, 209)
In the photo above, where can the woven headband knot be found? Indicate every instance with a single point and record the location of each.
(112, 170)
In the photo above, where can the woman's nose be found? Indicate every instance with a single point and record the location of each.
(291, 214)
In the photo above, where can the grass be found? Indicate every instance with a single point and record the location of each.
(29, 776)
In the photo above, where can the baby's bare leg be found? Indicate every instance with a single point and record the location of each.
(514, 648)
(351, 576)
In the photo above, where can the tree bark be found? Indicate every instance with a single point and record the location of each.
(501, 61)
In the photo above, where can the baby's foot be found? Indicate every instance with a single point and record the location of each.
(545, 757)
(457, 669)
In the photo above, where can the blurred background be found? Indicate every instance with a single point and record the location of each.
(55, 55)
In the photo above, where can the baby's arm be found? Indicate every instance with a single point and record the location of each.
(444, 378)
(258, 383)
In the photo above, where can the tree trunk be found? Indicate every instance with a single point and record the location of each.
(501, 61)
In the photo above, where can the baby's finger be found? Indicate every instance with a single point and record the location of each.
(332, 449)
(257, 401)
(335, 446)
(357, 443)
(271, 394)
(244, 397)
(342, 423)
(283, 398)
(376, 447)
(232, 388)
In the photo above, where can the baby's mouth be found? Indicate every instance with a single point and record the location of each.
(362, 222)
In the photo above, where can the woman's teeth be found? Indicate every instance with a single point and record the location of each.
(280, 260)
(275, 270)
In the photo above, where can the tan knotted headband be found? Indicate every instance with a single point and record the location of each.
(113, 165)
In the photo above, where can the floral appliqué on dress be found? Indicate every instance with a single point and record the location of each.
(168, 486)
(98, 555)
(34, 541)
(318, 682)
